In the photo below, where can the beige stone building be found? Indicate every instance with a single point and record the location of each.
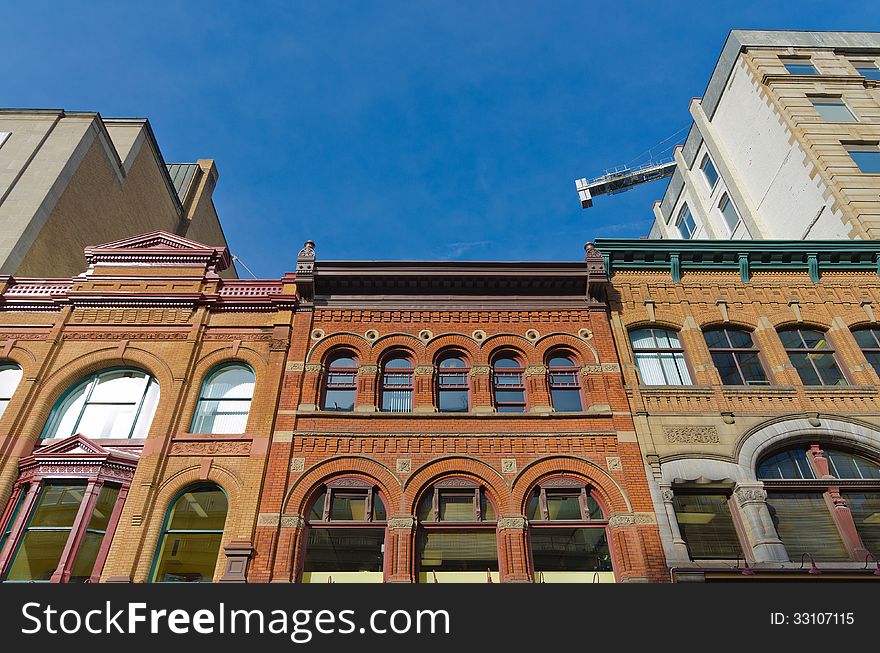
(784, 142)
(72, 179)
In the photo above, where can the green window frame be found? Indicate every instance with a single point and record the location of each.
(224, 403)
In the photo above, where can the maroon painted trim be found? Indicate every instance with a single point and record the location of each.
(101, 558)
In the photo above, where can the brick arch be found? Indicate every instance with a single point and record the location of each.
(789, 324)
(25, 359)
(343, 339)
(645, 323)
(366, 468)
(567, 342)
(611, 495)
(504, 342)
(57, 383)
(736, 322)
(399, 342)
(461, 466)
(446, 341)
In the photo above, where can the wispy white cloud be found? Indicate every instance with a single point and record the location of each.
(457, 250)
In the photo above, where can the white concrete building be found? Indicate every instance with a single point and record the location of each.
(785, 142)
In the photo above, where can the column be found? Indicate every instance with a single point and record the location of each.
(367, 390)
(751, 500)
(514, 567)
(77, 532)
(21, 520)
(679, 546)
(481, 389)
(401, 549)
(423, 389)
(535, 379)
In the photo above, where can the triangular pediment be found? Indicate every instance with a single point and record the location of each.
(159, 248)
(75, 444)
(154, 240)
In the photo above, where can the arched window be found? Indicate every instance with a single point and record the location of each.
(452, 384)
(812, 356)
(10, 375)
(456, 539)
(115, 403)
(340, 383)
(563, 377)
(225, 400)
(869, 342)
(659, 357)
(346, 534)
(735, 357)
(817, 495)
(566, 531)
(191, 535)
(508, 387)
(397, 384)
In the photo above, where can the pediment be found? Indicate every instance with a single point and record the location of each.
(159, 248)
(154, 240)
(75, 444)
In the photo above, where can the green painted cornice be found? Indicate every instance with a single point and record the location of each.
(743, 256)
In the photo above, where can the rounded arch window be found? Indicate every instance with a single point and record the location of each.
(817, 496)
(869, 343)
(508, 387)
(563, 377)
(453, 387)
(114, 403)
(566, 530)
(340, 382)
(225, 400)
(10, 376)
(397, 383)
(812, 356)
(191, 536)
(456, 538)
(346, 533)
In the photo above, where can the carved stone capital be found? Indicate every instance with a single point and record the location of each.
(295, 366)
(512, 523)
(293, 521)
(746, 494)
(402, 523)
(668, 495)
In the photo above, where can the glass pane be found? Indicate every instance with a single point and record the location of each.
(397, 401)
(317, 510)
(674, 368)
(85, 557)
(865, 508)
(457, 506)
(740, 339)
(452, 363)
(506, 363)
(731, 217)
(107, 420)
(867, 161)
(833, 111)
(847, 465)
(791, 339)
(510, 396)
(57, 506)
(867, 338)
(148, 410)
(348, 507)
(564, 506)
(791, 463)
(66, 413)
(716, 339)
(560, 361)
(398, 364)
(343, 362)
(593, 509)
(828, 369)
(707, 526)
(453, 401)
(233, 382)
(642, 339)
(800, 68)
(727, 369)
(200, 509)
(804, 368)
(751, 368)
(570, 549)
(10, 375)
(339, 400)
(814, 339)
(667, 339)
(426, 511)
(187, 558)
(119, 386)
(458, 550)
(221, 417)
(379, 513)
(103, 508)
(869, 72)
(805, 525)
(487, 510)
(38, 555)
(566, 400)
(874, 360)
(710, 172)
(533, 509)
(345, 549)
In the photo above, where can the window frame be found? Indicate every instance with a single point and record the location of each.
(509, 372)
(209, 378)
(8, 365)
(463, 371)
(732, 509)
(869, 148)
(658, 351)
(385, 387)
(680, 218)
(734, 351)
(723, 203)
(350, 371)
(832, 100)
(707, 160)
(831, 351)
(795, 60)
(574, 370)
(871, 65)
(872, 351)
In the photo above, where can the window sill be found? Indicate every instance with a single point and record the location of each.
(840, 389)
(676, 389)
(599, 410)
(759, 389)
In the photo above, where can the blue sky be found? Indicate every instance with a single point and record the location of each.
(407, 130)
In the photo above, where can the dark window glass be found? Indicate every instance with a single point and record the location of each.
(735, 357)
(345, 506)
(869, 342)
(564, 505)
(507, 382)
(452, 386)
(565, 389)
(843, 464)
(94, 535)
(805, 525)
(791, 463)
(40, 549)
(570, 549)
(340, 384)
(458, 550)
(800, 67)
(812, 356)
(345, 549)
(709, 171)
(868, 71)
(865, 508)
(190, 542)
(867, 158)
(707, 526)
(457, 506)
(685, 223)
(397, 386)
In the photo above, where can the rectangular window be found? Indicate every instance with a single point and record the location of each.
(345, 549)
(570, 549)
(865, 509)
(866, 157)
(867, 69)
(445, 550)
(804, 523)
(799, 66)
(457, 506)
(94, 536)
(665, 365)
(707, 526)
(833, 110)
(709, 172)
(686, 224)
(729, 213)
